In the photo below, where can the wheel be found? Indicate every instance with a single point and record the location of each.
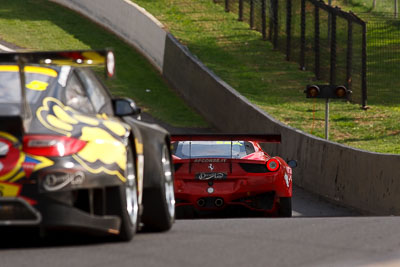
(285, 207)
(123, 201)
(159, 210)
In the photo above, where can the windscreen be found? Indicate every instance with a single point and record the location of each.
(212, 149)
(37, 79)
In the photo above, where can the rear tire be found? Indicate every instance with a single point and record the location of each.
(159, 210)
(285, 207)
(123, 201)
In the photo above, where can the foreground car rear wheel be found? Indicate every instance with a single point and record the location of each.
(123, 201)
(285, 207)
(161, 207)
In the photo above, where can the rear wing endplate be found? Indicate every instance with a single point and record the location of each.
(262, 138)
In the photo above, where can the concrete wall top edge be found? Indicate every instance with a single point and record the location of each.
(144, 11)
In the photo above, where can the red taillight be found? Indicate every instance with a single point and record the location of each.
(51, 145)
(273, 165)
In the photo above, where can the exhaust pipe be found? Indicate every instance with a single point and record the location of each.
(201, 202)
(219, 202)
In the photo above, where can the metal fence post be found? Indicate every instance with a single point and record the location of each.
(332, 79)
(288, 28)
(240, 10)
(275, 11)
(316, 43)
(349, 60)
(226, 5)
(263, 19)
(303, 35)
(271, 19)
(364, 66)
(251, 14)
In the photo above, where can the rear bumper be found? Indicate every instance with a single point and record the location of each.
(54, 215)
(258, 193)
(264, 202)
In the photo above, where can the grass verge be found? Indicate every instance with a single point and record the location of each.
(42, 25)
(250, 65)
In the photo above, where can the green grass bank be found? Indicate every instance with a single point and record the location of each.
(42, 25)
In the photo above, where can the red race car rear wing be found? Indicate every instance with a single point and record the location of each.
(262, 138)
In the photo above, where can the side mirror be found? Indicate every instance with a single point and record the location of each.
(125, 107)
(292, 163)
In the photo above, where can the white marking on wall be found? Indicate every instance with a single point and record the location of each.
(5, 48)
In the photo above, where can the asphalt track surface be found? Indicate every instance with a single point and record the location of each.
(319, 234)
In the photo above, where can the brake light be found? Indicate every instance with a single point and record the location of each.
(273, 165)
(51, 145)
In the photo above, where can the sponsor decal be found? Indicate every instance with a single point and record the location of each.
(209, 160)
(205, 176)
(237, 143)
(56, 181)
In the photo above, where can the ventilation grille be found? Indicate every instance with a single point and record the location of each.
(254, 168)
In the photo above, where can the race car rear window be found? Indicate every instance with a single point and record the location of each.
(37, 81)
(212, 149)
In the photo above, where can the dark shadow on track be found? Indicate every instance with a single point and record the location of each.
(23, 237)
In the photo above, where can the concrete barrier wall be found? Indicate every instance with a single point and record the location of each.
(369, 182)
(128, 21)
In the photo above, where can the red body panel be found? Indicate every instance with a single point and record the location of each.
(237, 187)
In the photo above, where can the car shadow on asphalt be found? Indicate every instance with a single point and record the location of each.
(23, 237)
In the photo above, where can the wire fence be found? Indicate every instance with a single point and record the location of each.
(324, 39)
(390, 7)
(383, 42)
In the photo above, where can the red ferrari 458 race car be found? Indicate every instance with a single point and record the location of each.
(230, 174)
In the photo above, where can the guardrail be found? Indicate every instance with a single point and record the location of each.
(366, 181)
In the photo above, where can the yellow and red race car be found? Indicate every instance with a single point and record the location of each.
(74, 157)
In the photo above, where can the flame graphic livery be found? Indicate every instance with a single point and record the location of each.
(105, 150)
